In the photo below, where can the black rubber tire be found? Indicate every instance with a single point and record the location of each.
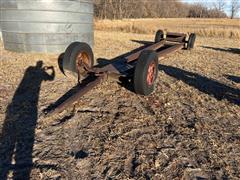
(60, 63)
(191, 41)
(159, 36)
(141, 86)
(71, 54)
(67, 54)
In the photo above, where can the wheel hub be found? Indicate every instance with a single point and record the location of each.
(151, 74)
(82, 63)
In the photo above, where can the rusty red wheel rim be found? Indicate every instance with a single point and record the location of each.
(82, 61)
(151, 74)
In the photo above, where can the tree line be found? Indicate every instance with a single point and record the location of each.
(119, 9)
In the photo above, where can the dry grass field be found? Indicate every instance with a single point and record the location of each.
(189, 128)
(225, 28)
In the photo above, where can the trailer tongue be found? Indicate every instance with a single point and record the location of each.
(141, 65)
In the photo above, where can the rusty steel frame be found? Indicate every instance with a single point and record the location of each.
(173, 42)
(82, 91)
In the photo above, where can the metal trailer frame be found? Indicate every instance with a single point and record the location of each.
(165, 45)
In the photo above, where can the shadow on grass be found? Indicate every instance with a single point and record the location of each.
(204, 84)
(18, 132)
(230, 50)
(146, 43)
(233, 78)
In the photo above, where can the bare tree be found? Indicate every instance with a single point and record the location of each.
(197, 10)
(235, 7)
(220, 5)
(119, 9)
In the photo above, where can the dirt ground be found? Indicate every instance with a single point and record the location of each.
(189, 128)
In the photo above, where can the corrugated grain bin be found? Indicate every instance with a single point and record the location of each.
(46, 26)
(0, 34)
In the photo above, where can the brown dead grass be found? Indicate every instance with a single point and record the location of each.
(181, 131)
(224, 28)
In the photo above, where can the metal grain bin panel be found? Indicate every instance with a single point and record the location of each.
(0, 33)
(45, 25)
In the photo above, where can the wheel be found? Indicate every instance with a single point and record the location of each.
(60, 62)
(191, 41)
(146, 72)
(77, 57)
(159, 36)
(65, 60)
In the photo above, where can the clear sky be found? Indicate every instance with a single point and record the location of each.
(209, 3)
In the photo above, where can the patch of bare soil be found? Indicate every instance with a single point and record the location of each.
(189, 128)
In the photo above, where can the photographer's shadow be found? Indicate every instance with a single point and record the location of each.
(17, 136)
